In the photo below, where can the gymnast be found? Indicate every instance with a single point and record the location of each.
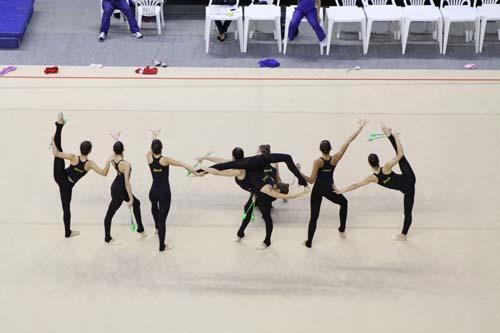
(66, 178)
(121, 190)
(322, 177)
(384, 176)
(159, 194)
(263, 192)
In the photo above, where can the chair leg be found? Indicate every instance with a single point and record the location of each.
(329, 33)
(163, 15)
(240, 33)
(435, 30)
(285, 38)
(405, 33)
(482, 33)
(477, 30)
(338, 29)
(208, 24)
(363, 33)
(245, 34)
(440, 35)
(158, 23)
(446, 33)
(278, 32)
(369, 24)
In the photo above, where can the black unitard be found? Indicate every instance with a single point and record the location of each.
(323, 188)
(118, 196)
(66, 178)
(404, 182)
(160, 197)
(252, 183)
(259, 162)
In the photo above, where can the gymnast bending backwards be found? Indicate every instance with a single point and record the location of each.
(262, 188)
(66, 178)
(322, 177)
(121, 190)
(159, 194)
(384, 176)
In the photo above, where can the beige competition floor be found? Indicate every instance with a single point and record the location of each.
(446, 278)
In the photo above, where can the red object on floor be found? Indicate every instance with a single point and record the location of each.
(147, 70)
(51, 70)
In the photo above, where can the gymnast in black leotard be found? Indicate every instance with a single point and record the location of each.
(66, 178)
(259, 162)
(322, 177)
(121, 190)
(263, 192)
(160, 195)
(384, 176)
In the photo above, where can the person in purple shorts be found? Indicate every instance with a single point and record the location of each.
(108, 7)
(310, 10)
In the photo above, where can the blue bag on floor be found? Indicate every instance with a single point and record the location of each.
(269, 63)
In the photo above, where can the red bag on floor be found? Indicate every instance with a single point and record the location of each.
(147, 70)
(51, 70)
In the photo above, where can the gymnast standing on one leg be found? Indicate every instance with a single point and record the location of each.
(384, 176)
(66, 178)
(121, 190)
(322, 177)
(262, 191)
(160, 195)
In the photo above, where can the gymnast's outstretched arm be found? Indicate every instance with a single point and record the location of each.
(338, 156)
(364, 182)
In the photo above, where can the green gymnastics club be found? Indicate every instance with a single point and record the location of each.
(246, 212)
(189, 173)
(133, 223)
(375, 136)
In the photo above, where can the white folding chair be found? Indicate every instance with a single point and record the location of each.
(289, 13)
(224, 13)
(418, 11)
(116, 11)
(488, 11)
(460, 11)
(149, 8)
(263, 12)
(382, 11)
(344, 12)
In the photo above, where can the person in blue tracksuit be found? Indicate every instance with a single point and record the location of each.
(310, 10)
(108, 7)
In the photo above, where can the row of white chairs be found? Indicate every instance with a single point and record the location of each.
(474, 19)
(146, 8)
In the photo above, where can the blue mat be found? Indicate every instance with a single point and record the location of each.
(14, 18)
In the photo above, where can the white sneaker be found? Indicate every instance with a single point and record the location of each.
(137, 34)
(143, 235)
(342, 235)
(237, 239)
(156, 62)
(102, 37)
(113, 242)
(399, 237)
(74, 233)
(262, 246)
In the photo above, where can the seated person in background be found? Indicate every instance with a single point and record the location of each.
(108, 7)
(310, 10)
(222, 26)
